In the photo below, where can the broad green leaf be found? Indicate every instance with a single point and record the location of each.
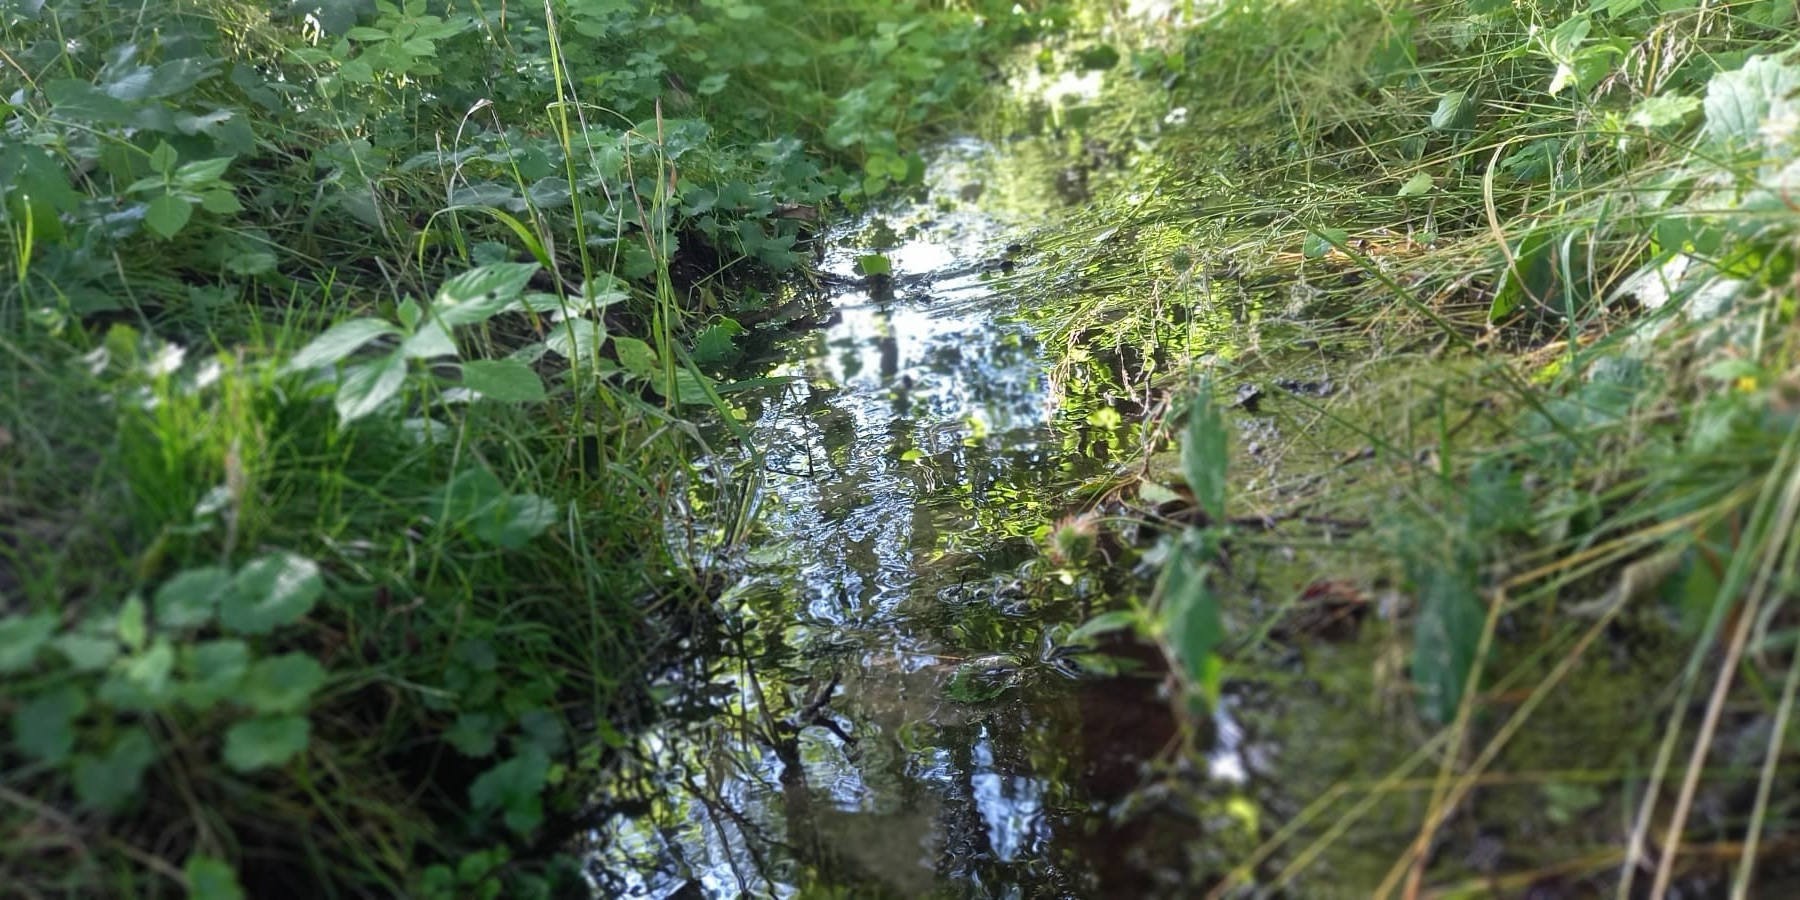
(715, 343)
(1419, 183)
(281, 684)
(1657, 112)
(873, 265)
(1446, 631)
(1738, 103)
(1204, 455)
(369, 385)
(1195, 627)
(636, 356)
(1319, 243)
(212, 671)
(265, 742)
(191, 598)
(162, 162)
(1454, 111)
(134, 630)
(179, 75)
(202, 172)
(474, 734)
(21, 637)
(431, 340)
(515, 520)
(221, 201)
(337, 342)
(575, 338)
(167, 215)
(508, 381)
(141, 682)
(271, 591)
(1104, 623)
(108, 781)
(514, 787)
(44, 727)
(478, 294)
(211, 878)
(82, 102)
(85, 652)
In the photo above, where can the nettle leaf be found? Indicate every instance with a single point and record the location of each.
(505, 380)
(85, 652)
(1454, 111)
(429, 341)
(167, 215)
(21, 637)
(515, 787)
(281, 684)
(716, 343)
(636, 356)
(191, 598)
(1204, 456)
(367, 386)
(265, 742)
(44, 728)
(271, 591)
(1738, 103)
(474, 734)
(1659, 112)
(575, 338)
(212, 671)
(479, 294)
(211, 878)
(338, 342)
(162, 162)
(1420, 183)
(108, 781)
(1195, 627)
(1319, 243)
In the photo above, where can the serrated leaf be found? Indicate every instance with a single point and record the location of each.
(1195, 627)
(514, 787)
(474, 734)
(367, 386)
(211, 878)
(479, 294)
(636, 356)
(141, 682)
(265, 742)
(271, 591)
(338, 342)
(1657, 112)
(1454, 110)
(191, 598)
(202, 172)
(212, 671)
(167, 215)
(281, 684)
(575, 338)
(162, 160)
(85, 652)
(1419, 183)
(508, 381)
(44, 727)
(1203, 453)
(21, 637)
(108, 781)
(1738, 103)
(431, 340)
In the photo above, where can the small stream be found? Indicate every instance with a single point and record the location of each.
(896, 716)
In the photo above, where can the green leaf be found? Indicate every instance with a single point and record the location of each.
(191, 598)
(211, 878)
(221, 201)
(202, 173)
(1195, 627)
(213, 671)
(85, 652)
(575, 338)
(337, 342)
(265, 742)
(716, 342)
(369, 385)
(515, 520)
(636, 356)
(281, 684)
(1319, 243)
(44, 728)
(20, 639)
(167, 215)
(271, 591)
(514, 787)
(1446, 632)
(108, 781)
(1658, 112)
(1420, 183)
(479, 294)
(1454, 112)
(162, 160)
(1738, 103)
(1104, 623)
(431, 340)
(142, 682)
(506, 380)
(82, 102)
(474, 734)
(133, 629)
(873, 264)
(1204, 456)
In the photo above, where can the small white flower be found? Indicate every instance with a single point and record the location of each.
(1176, 116)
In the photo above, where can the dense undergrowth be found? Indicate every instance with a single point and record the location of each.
(1517, 281)
(347, 360)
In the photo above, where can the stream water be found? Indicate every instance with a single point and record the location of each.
(896, 717)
